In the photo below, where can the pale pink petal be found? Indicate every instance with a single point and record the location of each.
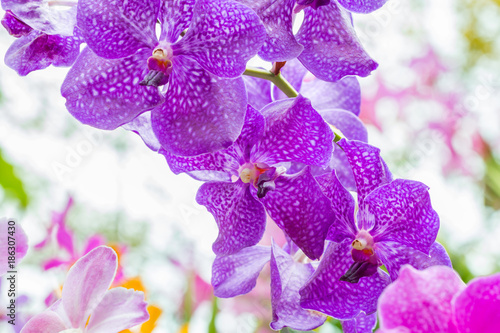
(119, 309)
(45, 322)
(87, 282)
(11, 232)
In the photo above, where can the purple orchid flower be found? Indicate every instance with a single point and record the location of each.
(436, 300)
(9, 232)
(87, 305)
(357, 6)
(46, 36)
(237, 274)
(288, 130)
(326, 43)
(396, 225)
(116, 78)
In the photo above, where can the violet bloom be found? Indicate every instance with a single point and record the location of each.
(394, 225)
(11, 232)
(116, 78)
(326, 43)
(46, 35)
(248, 179)
(237, 274)
(87, 306)
(436, 300)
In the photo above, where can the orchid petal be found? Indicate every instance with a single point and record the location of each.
(222, 37)
(175, 16)
(142, 126)
(259, 91)
(119, 309)
(106, 93)
(11, 232)
(240, 217)
(237, 274)
(45, 322)
(287, 277)
(362, 323)
(325, 293)
(298, 206)
(362, 6)
(119, 28)
(344, 94)
(202, 113)
(331, 48)
(87, 282)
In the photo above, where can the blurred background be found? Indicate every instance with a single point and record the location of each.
(432, 106)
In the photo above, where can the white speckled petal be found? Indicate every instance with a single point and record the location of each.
(362, 323)
(331, 47)
(175, 16)
(38, 51)
(106, 93)
(362, 6)
(222, 37)
(299, 207)
(420, 300)
(325, 293)
(287, 277)
(403, 213)
(237, 274)
(369, 170)
(394, 256)
(40, 16)
(280, 44)
(118, 28)
(240, 217)
(294, 132)
(202, 113)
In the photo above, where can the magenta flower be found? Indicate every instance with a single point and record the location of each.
(46, 35)
(87, 306)
(16, 233)
(436, 300)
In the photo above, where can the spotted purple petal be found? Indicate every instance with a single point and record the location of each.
(240, 217)
(106, 93)
(141, 125)
(299, 207)
(118, 28)
(394, 256)
(369, 170)
(258, 90)
(222, 37)
(202, 113)
(38, 51)
(218, 165)
(362, 323)
(236, 274)
(294, 132)
(287, 277)
(420, 300)
(343, 206)
(403, 213)
(175, 16)
(476, 308)
(39, 15)
(14, 26)
(331, 48)
(344, 94)
(280, 44)
(362, 6)
(325, 293)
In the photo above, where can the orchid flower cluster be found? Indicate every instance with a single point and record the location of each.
(293, 152)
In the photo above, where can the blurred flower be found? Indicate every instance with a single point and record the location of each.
(436, 300)
(13, 245)
(87, 305)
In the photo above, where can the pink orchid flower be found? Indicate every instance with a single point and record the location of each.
(87, 306)
(13, 233)
(436, 300)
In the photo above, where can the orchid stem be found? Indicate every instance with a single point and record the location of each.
(278, 80)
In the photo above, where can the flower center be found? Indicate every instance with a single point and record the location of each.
(159, 65)
(260, 175)
(365, 259)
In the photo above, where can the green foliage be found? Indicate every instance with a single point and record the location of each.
(11, 183)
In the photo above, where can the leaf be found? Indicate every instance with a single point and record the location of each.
(11, 183)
